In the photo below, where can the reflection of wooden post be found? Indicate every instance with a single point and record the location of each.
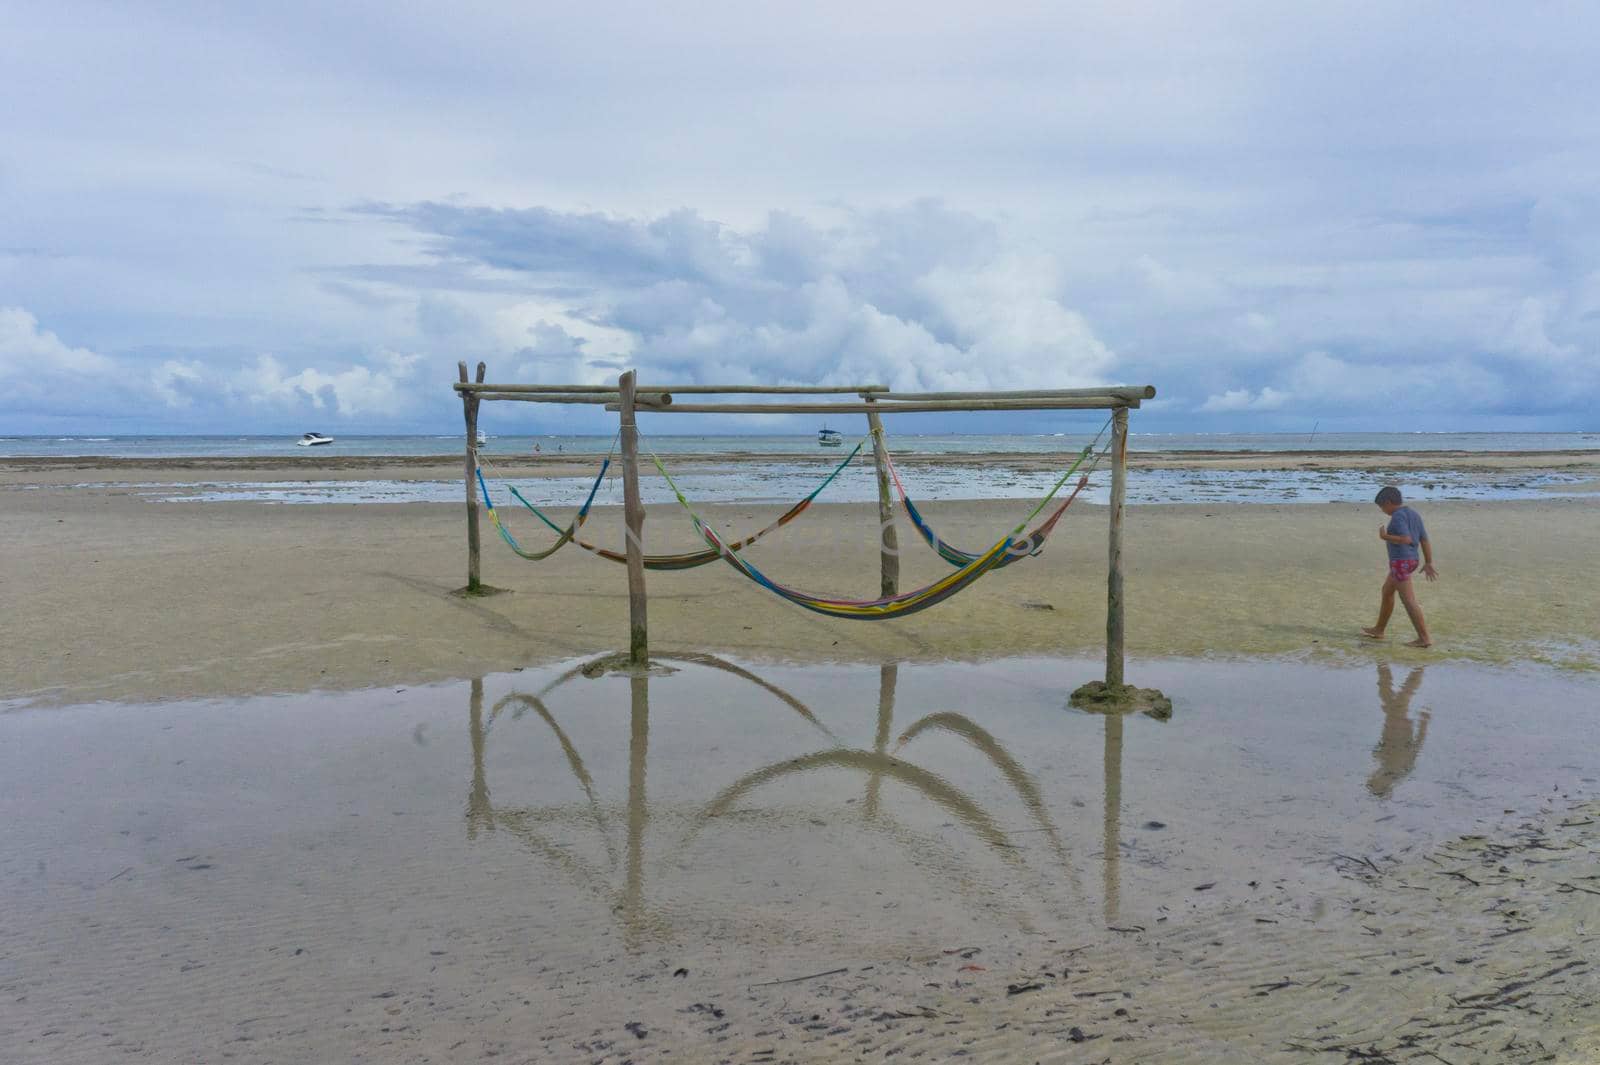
(638, 809)
(633, 516)
(469, 410)
(888, 677)
(478, 809)
(1119, 490)
(889, 580)
(1111, 841)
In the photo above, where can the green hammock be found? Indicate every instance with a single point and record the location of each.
(683, 560)
(1031, 545)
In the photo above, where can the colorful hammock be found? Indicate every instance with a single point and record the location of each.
(887, 606)
(1030, 545)
(567, 534)
(684, 560)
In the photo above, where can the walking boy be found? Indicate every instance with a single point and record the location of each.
(1403, 535)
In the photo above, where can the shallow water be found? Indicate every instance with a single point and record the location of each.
(1075, 431)
(300, 858)
(778, 482)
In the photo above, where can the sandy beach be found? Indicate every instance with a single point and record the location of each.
(273, 776)
(117, 597)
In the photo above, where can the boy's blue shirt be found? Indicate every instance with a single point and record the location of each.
(1406, 522)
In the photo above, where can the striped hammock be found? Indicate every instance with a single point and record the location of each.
(1030, 545)
(895, 605)
(683, 560)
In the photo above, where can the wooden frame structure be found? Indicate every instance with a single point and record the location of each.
(628, 398)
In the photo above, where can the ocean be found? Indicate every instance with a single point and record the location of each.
(778, 478)
(446, 444)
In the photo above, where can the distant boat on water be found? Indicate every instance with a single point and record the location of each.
(482, 439)
(829, 437)
(314, 439)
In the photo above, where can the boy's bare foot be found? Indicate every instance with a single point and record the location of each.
(1372, 634)
(1420, 643)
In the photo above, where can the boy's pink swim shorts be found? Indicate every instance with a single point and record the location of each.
(1401, 569)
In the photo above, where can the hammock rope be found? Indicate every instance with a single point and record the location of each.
(895, 605)
(1031, 545)
(680, 561)
(566, 535)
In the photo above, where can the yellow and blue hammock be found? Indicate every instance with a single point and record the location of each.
(684, 560)
(906, 602)
(1029, 546)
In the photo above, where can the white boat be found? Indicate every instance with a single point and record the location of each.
(482, 439)
(829, 437)
(313, 439)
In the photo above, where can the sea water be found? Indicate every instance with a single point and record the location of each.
(235, 446)
(782, 469)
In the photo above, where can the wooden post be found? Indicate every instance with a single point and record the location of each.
(469, 411)
(889, 562)
(633, 516)
(1114, 604)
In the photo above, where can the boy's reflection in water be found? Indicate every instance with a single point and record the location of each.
(1401, 742)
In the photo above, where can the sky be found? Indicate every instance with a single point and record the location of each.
(261, 218)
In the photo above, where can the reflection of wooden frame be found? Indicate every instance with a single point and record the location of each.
(629, 397)
(877, 764)
(1111, 770)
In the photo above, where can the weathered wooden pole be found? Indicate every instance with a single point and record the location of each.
(633, 517)
(1114, 603)
(469, 411)
(889, 561)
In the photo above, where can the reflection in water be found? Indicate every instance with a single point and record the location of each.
(1401, 742)
(631, 903)
(1111, 837)
(479, 812)
(638, 809)
(888, 679)
(1019, 779)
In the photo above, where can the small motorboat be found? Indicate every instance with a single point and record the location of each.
(482, 439)
(829, 437)
(314, 439)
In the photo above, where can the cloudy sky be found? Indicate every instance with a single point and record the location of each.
(274, 217)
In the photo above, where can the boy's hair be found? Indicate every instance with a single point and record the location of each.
(1388, 494)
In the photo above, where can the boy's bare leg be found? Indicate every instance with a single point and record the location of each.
(1408, 599)
(1385, 610)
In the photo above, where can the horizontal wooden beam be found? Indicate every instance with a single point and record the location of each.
(646, 391)
(769, 390)
(657, 399)
(462, 386)
(1102, 402)
(1128, 392)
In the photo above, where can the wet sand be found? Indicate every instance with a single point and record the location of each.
(737, 861)
(112, 596)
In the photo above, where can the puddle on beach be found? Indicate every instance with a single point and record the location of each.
(310, 854)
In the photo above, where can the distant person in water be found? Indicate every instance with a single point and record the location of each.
(1406, 538)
